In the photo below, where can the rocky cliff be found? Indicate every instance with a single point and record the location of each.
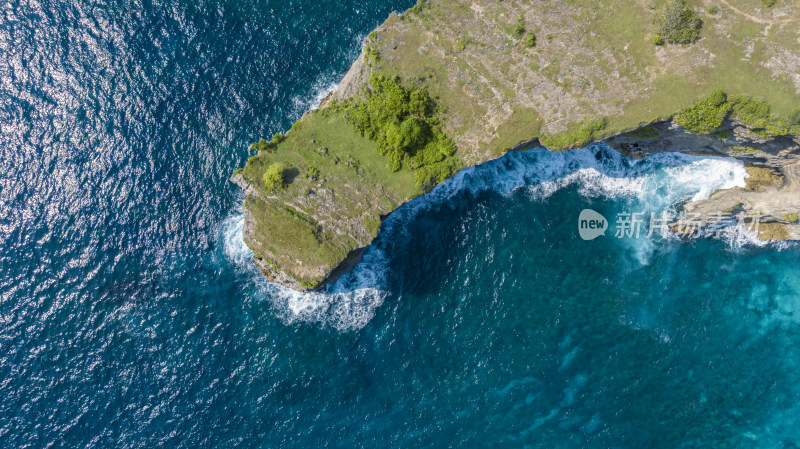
(566, 73)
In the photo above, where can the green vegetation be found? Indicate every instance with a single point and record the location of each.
(404, 124)
(678, 24)
(519, 28)
(645, 133)
(372, 56)
(724, 134)
(658, 40)
(739, 150)
(530, 41)
(791, 218)
(768, 3)
(576, 136)
(713, 9)
(491, 98)
(263, 145)
(275, 177)
(705, 116)
(755, 114)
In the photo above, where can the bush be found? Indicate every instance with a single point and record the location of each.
(263, 145)
(658, 40)
(402, 122)
(678, 24)
(312, 173)
(278, 138)
(713, 9)
(705, 116)
(768, 3)
(461, 45)
(274, 177)
(519, 27)
(428, 176)
(755, 114)
(530, 41)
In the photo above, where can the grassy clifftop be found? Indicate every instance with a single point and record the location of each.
(498, 74)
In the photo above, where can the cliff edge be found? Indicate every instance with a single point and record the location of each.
(481, 77)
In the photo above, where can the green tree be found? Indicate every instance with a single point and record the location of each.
(678, 24)
(275, 178)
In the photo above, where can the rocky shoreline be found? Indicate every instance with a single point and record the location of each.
(499, 93)
(771, 196)
(772, 193)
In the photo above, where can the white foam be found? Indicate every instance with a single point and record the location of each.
(319, 90)
(654, 184)
(348, 305)
(233, 241)
(344, 311)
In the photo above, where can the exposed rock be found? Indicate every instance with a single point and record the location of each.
(772, 190)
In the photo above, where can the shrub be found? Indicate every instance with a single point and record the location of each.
(278, 138)
(713, 9)
(263, 145)
(402, 122)
(530, 41)
(549, 37)
(461, 45)
(274, 177)
(519, 27)
(372, 55)
(658, 40)
(705, 116)
(312, 172)
(768, 3)
(678, 24)
(428, 176)
(755, 113)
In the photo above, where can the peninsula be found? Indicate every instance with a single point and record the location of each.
(453, 83)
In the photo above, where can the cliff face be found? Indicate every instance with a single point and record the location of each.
(567, 73)
(772, 190)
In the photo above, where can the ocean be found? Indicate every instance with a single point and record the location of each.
(131, 316)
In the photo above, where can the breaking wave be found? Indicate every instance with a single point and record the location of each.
(659, 183)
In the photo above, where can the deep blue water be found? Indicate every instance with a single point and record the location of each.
(130, 316)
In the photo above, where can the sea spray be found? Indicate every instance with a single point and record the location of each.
(348, 305)
(655, 184)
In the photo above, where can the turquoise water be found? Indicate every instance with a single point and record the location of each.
(130, 315)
